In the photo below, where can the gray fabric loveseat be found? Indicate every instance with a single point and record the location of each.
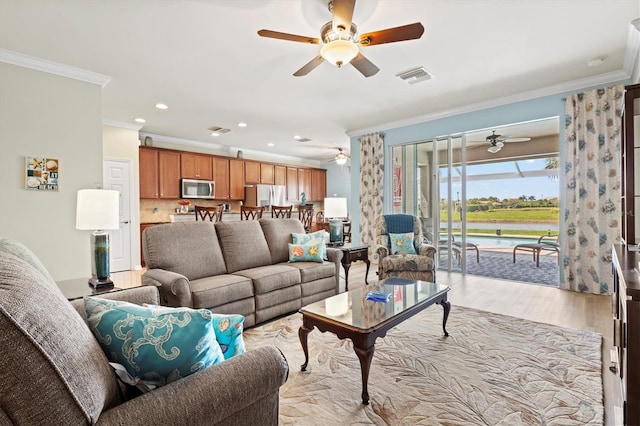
(54, 372)
(237, 267)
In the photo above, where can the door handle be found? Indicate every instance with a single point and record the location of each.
(126, 222)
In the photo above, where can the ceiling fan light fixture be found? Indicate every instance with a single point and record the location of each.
(493, 149)
(341, 159)
(339, 52)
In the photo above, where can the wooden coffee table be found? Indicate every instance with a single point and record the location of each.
(349, 315)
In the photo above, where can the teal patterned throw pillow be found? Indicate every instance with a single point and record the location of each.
(402, 243)
(156, 345)
(305, 252)
(312, 238)
(228, 329)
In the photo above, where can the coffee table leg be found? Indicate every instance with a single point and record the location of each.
(303, 332)
(446, 305)
(365, 356)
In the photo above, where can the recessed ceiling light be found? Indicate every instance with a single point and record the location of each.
(270, 144)
(242, 124)
(296, 137)
(161, 106)
(215, 134)
(139, 120)
(595, 62)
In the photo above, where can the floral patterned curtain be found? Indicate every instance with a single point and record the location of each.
(371, 182)
(592, 165)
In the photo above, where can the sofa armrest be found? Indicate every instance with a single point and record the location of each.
(137, 295)
(175, 289)
(382, 251)
(335, 255)
(425, 249)
(232, 392)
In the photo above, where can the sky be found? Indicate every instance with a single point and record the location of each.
(539, 187)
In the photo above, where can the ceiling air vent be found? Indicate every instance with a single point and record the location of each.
(303, 140)
(218, 129)
(415, 75)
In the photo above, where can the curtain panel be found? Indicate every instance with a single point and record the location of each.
(371, 187)
(592, 171)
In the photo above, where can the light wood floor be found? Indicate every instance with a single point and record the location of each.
(532, 302)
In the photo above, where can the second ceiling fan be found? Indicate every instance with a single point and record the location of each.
(340, 40)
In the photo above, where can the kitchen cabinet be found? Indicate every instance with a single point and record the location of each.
(318, 184)
(279, 175)
(228, 174)
(169, 174)
(267, 173)
(304, 183)
(251, 172)
(148, 166)
(196, 166)
(292, 183)
(630, 145)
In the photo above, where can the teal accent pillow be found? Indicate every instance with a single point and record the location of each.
(156, 345)
(402, 243)
(314, 237)
(305, 252)
(228, 329)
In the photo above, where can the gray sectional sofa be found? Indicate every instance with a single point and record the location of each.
(236, 267)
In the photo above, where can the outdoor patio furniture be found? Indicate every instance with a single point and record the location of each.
(467, 246)
(536, 248)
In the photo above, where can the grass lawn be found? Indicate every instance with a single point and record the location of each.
(527, 215)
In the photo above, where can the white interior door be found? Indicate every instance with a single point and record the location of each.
(117, 176)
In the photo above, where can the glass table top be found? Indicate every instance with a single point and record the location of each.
(352, 309)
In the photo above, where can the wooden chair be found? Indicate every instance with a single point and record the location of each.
(305, 215)
(213, 214)
(283, 212)
(346, 231)
(251, 212)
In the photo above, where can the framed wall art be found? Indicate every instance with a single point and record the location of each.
(42, 174)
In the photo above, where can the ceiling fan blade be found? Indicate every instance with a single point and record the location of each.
(342, 14)
(365, 66)
(391, 35)
(289, 37)
(517, 139)
(310, 66)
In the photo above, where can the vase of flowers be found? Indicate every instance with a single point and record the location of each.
(184, 206)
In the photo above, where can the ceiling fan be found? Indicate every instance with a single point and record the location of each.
(341, 158)
(496, 142)
(340, 40)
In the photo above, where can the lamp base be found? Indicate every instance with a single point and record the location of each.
(335, 244)
(96, 282)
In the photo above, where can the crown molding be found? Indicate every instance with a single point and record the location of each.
(122, 124)
(230, 149)
(38, 64)
(569, 86)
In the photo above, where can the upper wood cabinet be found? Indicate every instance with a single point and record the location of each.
(318, 185)
(267, 173)
(280, 175)
(221, 177)
(251, 172)
(304, 183)
(292, 183)
(631, 165)
(196, 166)
(236, 183)
(148, 165)
(169, 174)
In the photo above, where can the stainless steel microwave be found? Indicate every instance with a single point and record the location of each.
(195, 188)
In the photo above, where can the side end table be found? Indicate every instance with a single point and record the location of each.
(353, 253)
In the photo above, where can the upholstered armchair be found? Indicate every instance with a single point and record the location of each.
(418, 266)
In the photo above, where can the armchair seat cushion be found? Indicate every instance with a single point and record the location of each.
(407, 262)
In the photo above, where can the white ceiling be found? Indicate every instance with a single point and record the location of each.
(204, 59)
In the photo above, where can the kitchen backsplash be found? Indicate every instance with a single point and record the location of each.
(155, 211)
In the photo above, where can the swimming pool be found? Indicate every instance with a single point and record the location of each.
(491, 241)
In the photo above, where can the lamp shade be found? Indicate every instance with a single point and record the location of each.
(335, 207)
(98, 209)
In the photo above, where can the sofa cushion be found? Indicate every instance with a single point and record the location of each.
(220, 289)
(311, 271)
(273, 277)
(47, 349)
(187, 248)
(278, 232)
(243, 245)
(157, 345)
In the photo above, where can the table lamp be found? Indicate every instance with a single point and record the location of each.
(335, 209)
(98, 210)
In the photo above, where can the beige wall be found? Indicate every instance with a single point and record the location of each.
(122, 144)
(46, 115)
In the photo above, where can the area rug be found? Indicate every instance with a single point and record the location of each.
(500, 265)
(491, 370)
